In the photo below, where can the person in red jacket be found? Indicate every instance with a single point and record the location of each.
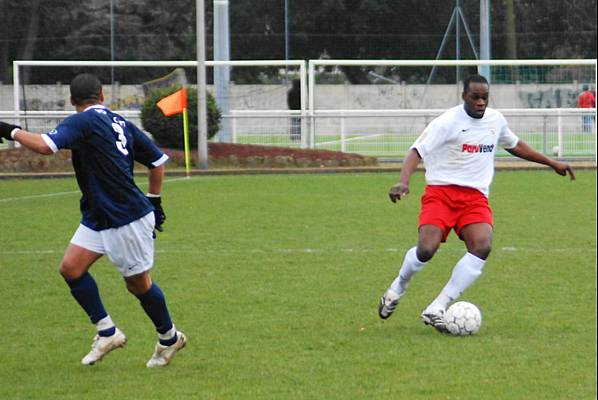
(586, 99)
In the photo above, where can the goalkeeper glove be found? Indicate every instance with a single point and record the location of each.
(6, 130)
(158, 212)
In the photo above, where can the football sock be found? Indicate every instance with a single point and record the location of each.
(411, 265)
(467, 270)
(168, 338)
(154, 305)
(105, 327)
(85, 290)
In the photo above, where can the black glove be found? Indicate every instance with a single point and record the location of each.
(158, 212)
(6, 129)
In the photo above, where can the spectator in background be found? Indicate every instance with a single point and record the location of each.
(294, 103)
(586, 99)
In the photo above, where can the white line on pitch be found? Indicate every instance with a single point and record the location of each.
(37, 196)
(351, 139)
(295, 250)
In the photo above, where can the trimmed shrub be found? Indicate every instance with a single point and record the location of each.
(168, 131)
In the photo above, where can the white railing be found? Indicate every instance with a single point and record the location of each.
(389, 133)
(381, 133)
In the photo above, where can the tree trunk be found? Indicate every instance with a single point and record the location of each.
(4, 55)
(30, 38)
(510, 30)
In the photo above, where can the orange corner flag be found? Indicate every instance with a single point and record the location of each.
(173, 104)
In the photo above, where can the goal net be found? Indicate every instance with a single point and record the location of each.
(379, 107)
(251, 95)
(371, 107)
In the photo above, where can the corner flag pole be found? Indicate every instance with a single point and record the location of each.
(186, 137)
(176, 103)
(202, 119)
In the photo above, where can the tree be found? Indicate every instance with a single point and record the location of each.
(353, 29)
(168, 131)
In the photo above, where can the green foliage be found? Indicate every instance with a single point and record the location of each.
(168, 131)
(340, 29)
(277, 294)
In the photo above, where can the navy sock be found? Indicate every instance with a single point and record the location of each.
(154, 305)
(169, 342)
(107, 332)
(85, 291)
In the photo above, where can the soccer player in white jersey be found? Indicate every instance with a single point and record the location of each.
(458, 150)
(118, 220)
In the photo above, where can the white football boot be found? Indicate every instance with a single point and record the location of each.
(163, 355)
(388, 303)
(435, 318)
(103, 345)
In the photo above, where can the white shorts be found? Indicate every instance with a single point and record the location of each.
(130, 247)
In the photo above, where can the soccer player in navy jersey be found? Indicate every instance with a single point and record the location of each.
(118, 220)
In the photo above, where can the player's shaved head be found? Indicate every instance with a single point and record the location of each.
(85, 88)
(473, 79)
(475, 95)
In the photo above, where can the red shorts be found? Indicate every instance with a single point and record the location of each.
(453, 207)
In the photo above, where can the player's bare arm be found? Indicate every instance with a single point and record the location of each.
(401, 188)
(32, 141)
(524, 151)
(155, 178)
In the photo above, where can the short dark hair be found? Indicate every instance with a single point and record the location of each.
(585, 87)
(85, 88)
(473, 79)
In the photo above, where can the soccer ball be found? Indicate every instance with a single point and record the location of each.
(463, 319)
(555, 150)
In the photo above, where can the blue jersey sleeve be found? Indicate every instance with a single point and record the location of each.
(69, 132)
(145, 151)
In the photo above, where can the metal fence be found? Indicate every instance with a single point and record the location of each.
(386, 134)
(342, 117)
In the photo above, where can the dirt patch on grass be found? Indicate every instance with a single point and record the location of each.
(221, 155)
(224, 155)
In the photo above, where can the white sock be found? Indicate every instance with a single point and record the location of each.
(168, 335)
(411, 265)
(467, 270)
(104, 323)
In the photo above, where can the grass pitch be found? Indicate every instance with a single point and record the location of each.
(395, 145)
(276, 280)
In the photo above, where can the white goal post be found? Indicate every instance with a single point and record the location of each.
(18, 113)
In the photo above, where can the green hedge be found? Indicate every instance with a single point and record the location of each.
(168, 131)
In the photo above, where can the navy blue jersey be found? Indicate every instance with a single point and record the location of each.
(104, 147)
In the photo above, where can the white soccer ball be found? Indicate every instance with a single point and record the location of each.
(463, 318)
(555, 150)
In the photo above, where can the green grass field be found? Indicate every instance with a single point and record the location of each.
(276, 279)
(397, 146)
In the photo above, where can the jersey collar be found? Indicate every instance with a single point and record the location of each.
(98, 106)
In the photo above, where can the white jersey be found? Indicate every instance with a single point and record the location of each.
(459, 150)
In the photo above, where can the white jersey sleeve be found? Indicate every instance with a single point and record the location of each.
(506, 138)
(432, 138)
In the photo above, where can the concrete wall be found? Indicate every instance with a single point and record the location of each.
(273, 97)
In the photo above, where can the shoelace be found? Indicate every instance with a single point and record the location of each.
(96, 342)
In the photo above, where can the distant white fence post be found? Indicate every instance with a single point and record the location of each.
(343, 133)
(559, 124)
(233, 128)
